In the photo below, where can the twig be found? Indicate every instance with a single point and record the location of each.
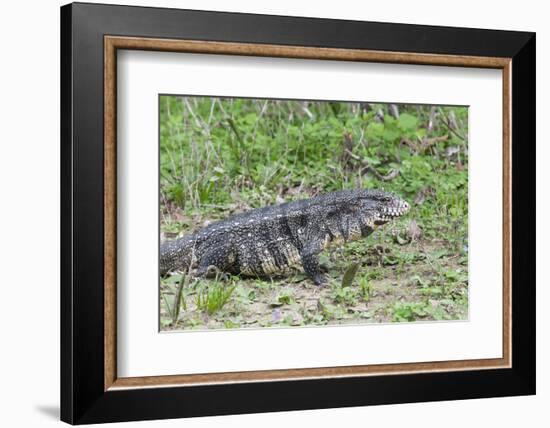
(203, 127)
(262, 111)
(235, 130)
(177, 300)
(184, 282)
(367, 167)
(447, 124)
(306, 110)
(425, 143)
(394, 110)
(431, 120)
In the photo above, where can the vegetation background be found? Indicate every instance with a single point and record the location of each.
(222, 156)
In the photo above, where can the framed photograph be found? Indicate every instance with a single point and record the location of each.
(265, 213)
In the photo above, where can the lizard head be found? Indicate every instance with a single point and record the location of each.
(381, 207)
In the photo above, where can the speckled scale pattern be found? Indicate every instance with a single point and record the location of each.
(274, 239)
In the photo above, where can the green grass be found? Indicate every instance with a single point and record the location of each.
(213, 298)
(222, 156)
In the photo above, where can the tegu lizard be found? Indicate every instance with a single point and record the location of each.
(274, 239)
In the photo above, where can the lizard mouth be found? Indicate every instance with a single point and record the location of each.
(393, 210)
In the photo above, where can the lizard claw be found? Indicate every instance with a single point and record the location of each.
(320, 280)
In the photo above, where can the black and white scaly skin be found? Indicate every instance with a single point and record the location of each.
(274, 239)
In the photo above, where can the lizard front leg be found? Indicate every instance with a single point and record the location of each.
(310, 262)
(219, 257)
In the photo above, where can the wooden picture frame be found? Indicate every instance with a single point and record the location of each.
(91, 391)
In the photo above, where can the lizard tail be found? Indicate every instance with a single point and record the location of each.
(177, 254)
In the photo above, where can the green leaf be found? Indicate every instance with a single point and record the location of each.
(407, 122)
(390, 134)
(285, 299)
(375, 130)
(351, 271)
